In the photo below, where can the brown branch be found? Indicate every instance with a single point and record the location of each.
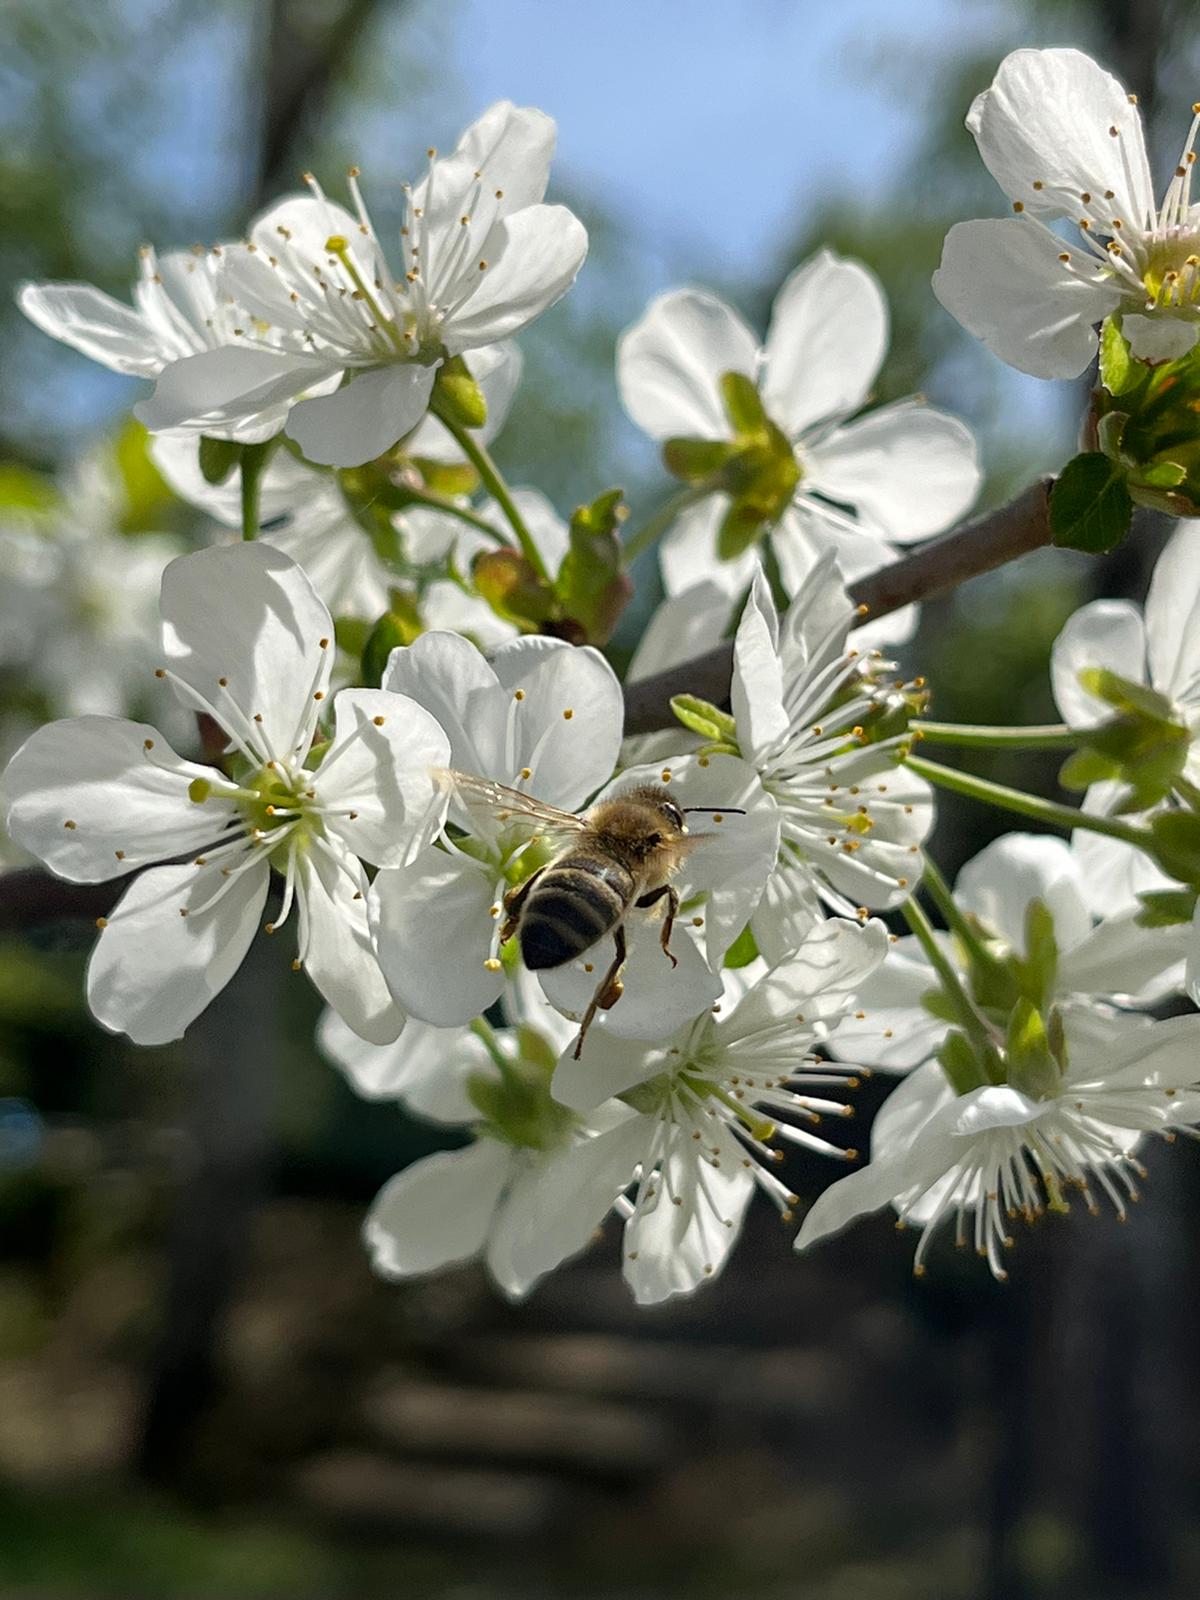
(978, 546)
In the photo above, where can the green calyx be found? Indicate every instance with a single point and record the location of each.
(1013, 996)
(516, 1106)
(756, 468)
(456, 391)
(709, 721)
(1145, 418)
(1144, 745)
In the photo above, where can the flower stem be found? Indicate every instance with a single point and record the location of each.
(489, 475)
(650, 532)
(451, 508)
(952, 985)
(1027, 805)
(486, 1034)
(975, 736)
(959, 924)
(253, 465)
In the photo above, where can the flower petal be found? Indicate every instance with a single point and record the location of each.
(1173, 616)
(1003, 279)
(827, 340)
(820, 980)
(683, 625)
(1045, 120)
(756, 692)
(607, 1066)
(337, 952)
(1159, 338)
(509, 148)
(428, 1068)
(247, 614)
(94, 797)
(1001, 882)
(496, 368)
(437, 1212)
(377, 779)
(93, 323)
(809, 530)
(363, 418)
(221, 387)
(896, 1033)
(1122, 959)
(657, 997)
(670, 362)
(533, 258)
(910, 469)
(1106, 633)
(688, 552)
(166, 951)
(671, 1249)
(433, 930)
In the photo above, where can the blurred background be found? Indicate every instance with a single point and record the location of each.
(203, 1391)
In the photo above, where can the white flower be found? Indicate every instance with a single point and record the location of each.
(482, 257)
(1098, 966)
(546, 719)
(248, 643)
(996, 1153)
(1161, 650)
(179, 311)
(897, 474)
(852, 818)
(1064, 141)
(712, 1098)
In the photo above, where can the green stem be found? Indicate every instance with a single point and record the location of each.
(1189, 792)
(952, 985)
(486, 1034)
(976, 736)
(959, 924)
(253, 465)
(1027, 805)
(658, 524)
(451, 508)
(489, 475)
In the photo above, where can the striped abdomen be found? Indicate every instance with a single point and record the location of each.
(575, 902)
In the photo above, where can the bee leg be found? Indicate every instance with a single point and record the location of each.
(653, 898)
(608, 992)
(514, 903)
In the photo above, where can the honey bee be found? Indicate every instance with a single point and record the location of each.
(620, 854)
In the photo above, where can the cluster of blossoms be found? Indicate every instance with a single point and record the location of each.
(635, 971)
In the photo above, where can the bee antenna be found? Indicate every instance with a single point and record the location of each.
(725, 811)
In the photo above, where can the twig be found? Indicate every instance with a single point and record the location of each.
(975, 547)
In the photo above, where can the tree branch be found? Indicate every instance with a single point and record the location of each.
(978, 546)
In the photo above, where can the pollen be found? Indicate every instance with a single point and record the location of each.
(120, 854)
(1018, 206)
(323, 644)
(320, 695)
(159, 672)
(493, 964)
(527, 773)
(518, 694)
(71, 826)
(102, 923)
(147, 744)
(568, 714)
(483, 266)
(666, 774)
(378, 721)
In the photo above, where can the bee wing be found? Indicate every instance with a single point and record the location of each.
(496, 803)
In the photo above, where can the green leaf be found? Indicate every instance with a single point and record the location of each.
(742, 951)
(1166, 908)
(1090, 506)
(218, 457)
(701, 717)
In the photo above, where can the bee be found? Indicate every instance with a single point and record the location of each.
(620, 854)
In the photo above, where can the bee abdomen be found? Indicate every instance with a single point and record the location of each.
(570, 907)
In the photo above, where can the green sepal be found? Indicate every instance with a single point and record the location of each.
(963, 1069)
(449, 478)
(1039, 967)
(1119, 371)
(1144, 745)
(1090, 505)
(740, 529)
(1031, 1064)
(218, 458)
(592, 587)
(742, 951)
(696, 461)
(22, 489)
(1176, 844)
(742, 402)
(399, 625)
(513, 588)
(699, 716)
(1166, 908)
(457, 394)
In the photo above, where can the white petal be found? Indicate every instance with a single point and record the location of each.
(688, 552)
(566, 728)
(827, 340)
(509, 148)
(756, 692)
(248, 614)
(606, 1067)
(447, 609)
(1159, 338)
(1122, 959)
(224, 386)
(533, 258)
(126, 805)
(670, 362)
(1046, 119)
(153, 971)
(93, 323)
(1173, 616)
(377, 777)
(910, 1169)
(997, 1106)
(896, 1033)
(553, 1211)
(999, 884)
(428, 1068)
(672, 1249)
(496, 368)
(683, 626)
(286, 487)
(819, 981)
(1003, 280)
(807, 531)
(789, 910)
(1106, 633)
(437, 1212)
(909, 469)
(449, 677)
(339, 955)
(433, 932)
(365, 417)
(1114, 873)
(658, 998)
